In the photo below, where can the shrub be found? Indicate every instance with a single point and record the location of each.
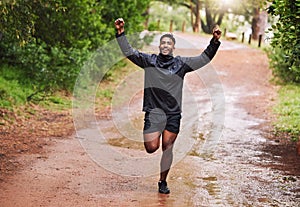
(285, 56)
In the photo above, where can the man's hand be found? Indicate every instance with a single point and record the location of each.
(217, 32)
(119, 24)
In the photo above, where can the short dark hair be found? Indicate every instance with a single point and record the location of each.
(169, 35)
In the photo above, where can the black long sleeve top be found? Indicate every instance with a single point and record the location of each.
(164, 74)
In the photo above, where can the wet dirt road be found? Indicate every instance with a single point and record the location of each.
(242, 169)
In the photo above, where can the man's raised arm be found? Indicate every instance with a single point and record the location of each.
(204, 58)
(122, 40)
(132, 54)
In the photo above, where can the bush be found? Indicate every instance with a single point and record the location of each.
(285, 55)
(153, 26)
(48, 68)
(281, 66)
(51, 40)
(54, 42)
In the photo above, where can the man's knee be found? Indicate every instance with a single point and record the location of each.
(168, 140)
(167, 147)
(152, 141)
(150, 148)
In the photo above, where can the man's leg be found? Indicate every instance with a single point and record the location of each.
(153, 126)
(168, 139)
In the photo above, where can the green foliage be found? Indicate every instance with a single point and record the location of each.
(132, 11)
(58, 42)
(165, 13)
(16, 21)
(288, 110)
(16, 89)
(153, 26)
(49, 68)
(51, 40)
(285, 55)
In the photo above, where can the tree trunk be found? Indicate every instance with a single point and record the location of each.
(192, 15)
(209, 19)
(146, 23)
(220, 18)
(259, 23)
(197, 20)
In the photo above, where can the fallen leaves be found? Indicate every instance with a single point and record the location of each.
(26, 131)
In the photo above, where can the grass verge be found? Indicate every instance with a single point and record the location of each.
(288, 111)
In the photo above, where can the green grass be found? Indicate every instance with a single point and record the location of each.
(57, 102)
(13, 90)
(288, 111)
(15, 87)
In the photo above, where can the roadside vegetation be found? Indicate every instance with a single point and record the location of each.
(284, 56)
(288, 111)
(44, 44)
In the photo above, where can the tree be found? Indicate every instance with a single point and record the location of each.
(216, 10)
(214, 13)
(254, 12)
(259, 22)
(132, 11)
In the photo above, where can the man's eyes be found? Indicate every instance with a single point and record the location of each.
(169, 43)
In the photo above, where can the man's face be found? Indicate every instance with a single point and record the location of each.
(166, 46)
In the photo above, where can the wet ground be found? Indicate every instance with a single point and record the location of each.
(243, 166)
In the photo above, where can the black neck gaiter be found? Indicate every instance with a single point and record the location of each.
(164, 61)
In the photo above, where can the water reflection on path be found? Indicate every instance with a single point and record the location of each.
(235, 174)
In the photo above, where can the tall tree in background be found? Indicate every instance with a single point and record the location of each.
(216, 10)
(259, 22)
(195, 11)
(214, 13)
(253, 12)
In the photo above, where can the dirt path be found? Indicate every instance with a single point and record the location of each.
(246, 168)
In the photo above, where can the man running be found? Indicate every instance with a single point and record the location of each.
(162, 100)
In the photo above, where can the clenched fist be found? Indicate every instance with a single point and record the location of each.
(119, 24)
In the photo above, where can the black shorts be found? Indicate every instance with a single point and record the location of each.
(155, 122)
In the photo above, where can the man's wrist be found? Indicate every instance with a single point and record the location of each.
(120, 34)
(215, 40)
(120, 31)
